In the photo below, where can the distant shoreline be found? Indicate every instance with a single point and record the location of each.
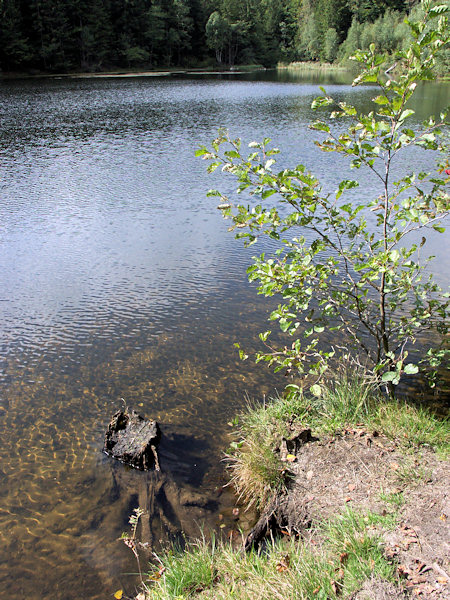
(122, 73)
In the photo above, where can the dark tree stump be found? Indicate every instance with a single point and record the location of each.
(286, 512)
(133, 440)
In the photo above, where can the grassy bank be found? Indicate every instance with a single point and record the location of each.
(344, 552)
(313, 66)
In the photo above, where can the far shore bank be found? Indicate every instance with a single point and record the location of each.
(115, 73)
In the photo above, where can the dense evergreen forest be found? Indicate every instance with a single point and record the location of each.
(95, 35)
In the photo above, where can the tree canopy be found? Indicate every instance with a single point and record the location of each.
(95, 35)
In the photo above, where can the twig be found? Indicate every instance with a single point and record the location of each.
(440, 570)
(155, 454)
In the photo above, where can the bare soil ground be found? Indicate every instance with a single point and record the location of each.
(367, 471)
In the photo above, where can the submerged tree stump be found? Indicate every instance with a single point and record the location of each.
(133, 440)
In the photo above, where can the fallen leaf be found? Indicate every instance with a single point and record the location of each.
(442, 580)
(443, 517)
(281, 567)
(291, 457)
(336, 586)
(403, 571)
(118, 594)
(316, 591)
(391, 552)
(419, 579)
(351, 487)
(343, 557)
(422, 567)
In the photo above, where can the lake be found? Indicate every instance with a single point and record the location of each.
(119, 280)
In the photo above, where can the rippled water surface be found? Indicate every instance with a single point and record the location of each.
(119, 280)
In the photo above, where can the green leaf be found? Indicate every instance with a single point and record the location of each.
(389, 376)
(411, 369)
(346, 184)
(405, 114)
(381, 100)
(320, 126)
(321, 101)
(316, 390)
(267, 193)
(441, 9)
(232, 154)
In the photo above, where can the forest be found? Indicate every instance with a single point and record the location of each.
(51, 36)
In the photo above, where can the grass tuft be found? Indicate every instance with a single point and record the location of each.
(412, 426)
(186, 573)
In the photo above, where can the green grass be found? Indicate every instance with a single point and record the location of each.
(346, 551)
(312, 66)
(412, 426)
(256, 470)
(395, 499)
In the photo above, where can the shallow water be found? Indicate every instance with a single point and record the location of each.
(119, 280)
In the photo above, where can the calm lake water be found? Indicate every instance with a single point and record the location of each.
(118, 279)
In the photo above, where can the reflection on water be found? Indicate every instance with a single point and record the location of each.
(119, 280)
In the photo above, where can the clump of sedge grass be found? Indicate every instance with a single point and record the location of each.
(412, 426)
(256, 471)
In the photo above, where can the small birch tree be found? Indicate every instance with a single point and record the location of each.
(350, 267)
